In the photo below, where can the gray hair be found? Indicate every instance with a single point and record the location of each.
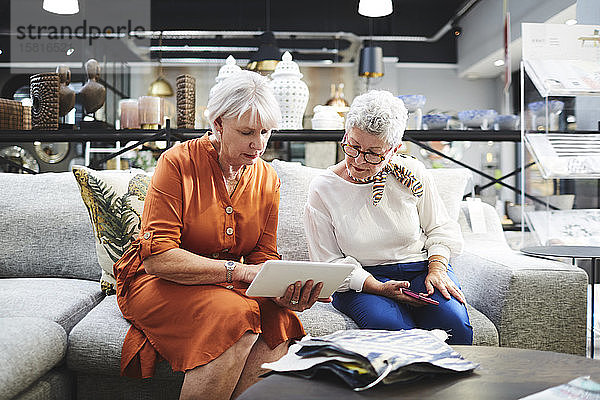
(379, 113)
(240, 92)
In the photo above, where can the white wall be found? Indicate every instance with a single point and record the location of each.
(441, 85)
(483, 26)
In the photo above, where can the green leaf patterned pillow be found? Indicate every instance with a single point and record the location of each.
(115, 202)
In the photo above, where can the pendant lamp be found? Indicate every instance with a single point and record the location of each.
(267, 56)
(160, 87)
(64, 7)
(370, 64)
(375, 8)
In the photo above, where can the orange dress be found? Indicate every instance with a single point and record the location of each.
(188, 206)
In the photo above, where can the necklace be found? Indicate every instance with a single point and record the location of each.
(232, 183)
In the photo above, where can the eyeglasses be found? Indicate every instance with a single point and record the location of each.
(370, 157)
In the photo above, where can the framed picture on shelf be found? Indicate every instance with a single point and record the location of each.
(579, 227)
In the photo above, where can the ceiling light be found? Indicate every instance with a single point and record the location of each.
(499, 63)
(571, 21)
(0, 51)
(375, 8)
(65, 7)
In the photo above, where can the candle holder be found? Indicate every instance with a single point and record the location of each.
(149, 109)
(129, 114)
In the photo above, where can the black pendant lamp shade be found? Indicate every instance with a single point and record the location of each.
(371, 62)
(268, 54)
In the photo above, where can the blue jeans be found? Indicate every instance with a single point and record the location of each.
(371, 311)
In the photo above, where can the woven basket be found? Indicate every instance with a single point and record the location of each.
(11, 114)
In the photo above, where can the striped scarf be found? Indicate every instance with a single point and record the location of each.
(403, 174)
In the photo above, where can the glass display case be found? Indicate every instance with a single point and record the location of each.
(560, 60)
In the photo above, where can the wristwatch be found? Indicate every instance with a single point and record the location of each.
(229, 266)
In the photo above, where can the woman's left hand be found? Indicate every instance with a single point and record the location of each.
(299, 298)
(438, 278)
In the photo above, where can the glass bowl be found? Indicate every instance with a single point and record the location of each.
(413, 101)
(539, 107)
(435, 121)
(477, 118)
(507, 122)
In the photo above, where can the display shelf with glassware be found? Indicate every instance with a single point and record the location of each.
(559, 63)
(562, 61)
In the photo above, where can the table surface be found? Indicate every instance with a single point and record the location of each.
(564, 251)
(504, 373)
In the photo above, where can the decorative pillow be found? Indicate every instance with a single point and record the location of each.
(451, 184)
(115, 202)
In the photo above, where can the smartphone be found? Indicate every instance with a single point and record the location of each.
(420, 297)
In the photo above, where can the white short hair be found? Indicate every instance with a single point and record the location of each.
(379, 113)
(240, 92)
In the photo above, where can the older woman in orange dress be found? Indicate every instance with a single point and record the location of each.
(209, 222)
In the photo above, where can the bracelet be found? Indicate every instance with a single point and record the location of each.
(434, 260)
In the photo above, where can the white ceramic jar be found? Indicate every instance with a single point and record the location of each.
(291, 92)
(228, 69)
(326, 117)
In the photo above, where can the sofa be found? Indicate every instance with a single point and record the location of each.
(61, 336)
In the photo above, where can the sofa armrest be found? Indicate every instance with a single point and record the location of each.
(535, 303)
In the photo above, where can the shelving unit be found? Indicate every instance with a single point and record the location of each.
(303, 135)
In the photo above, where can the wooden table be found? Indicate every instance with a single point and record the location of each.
(504, 373)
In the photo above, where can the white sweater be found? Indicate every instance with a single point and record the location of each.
(343, 225)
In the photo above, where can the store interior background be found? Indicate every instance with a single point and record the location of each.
(454, 73)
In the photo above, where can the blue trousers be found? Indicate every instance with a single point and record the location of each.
(371, 311)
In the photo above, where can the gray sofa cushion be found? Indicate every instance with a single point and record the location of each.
(46, 230)
(29, 348)
(323, 319)
(95, 343)
(55, 385)
(64, 301)
(295, 178)
(484, 331)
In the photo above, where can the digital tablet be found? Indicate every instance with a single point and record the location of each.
(276, 275)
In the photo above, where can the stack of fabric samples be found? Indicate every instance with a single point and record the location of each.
(363, 358)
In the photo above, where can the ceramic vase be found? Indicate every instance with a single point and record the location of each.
(291, 92)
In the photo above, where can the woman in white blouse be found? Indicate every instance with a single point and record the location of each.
(382, 212)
